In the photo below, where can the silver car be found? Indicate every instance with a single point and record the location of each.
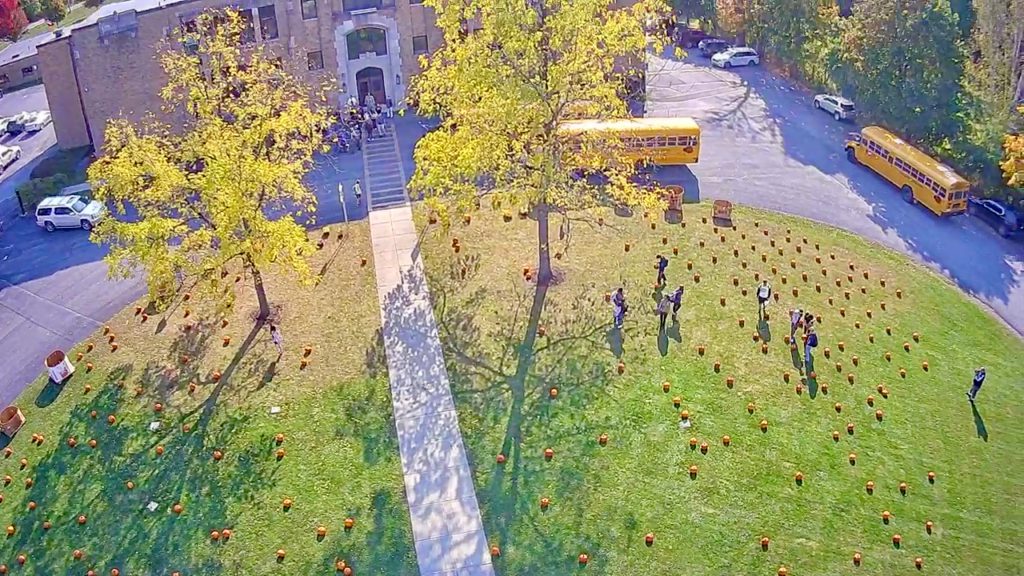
(8, 155)
(840, 108)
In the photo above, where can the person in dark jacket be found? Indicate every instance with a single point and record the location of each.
(979, 379)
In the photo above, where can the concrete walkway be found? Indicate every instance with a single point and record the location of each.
(446, 524)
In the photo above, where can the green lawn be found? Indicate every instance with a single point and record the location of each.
(340, 460)
(604, 500)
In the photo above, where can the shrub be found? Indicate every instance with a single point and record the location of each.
(33, 191)
(64, 162)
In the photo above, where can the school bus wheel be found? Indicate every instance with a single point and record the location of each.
(908, 195)
(851, 155)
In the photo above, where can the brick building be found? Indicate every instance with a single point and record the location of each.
(107, 67)
(19, 64)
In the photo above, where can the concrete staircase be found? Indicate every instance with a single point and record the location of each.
(385, 177)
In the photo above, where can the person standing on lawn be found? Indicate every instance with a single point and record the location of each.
(979, 379)
(677, 302)
(662, 265)
(809, 344)
(764, 293)
(808, 323)
(663, 307)
(795, 318)
(275, 337)
(619, 307)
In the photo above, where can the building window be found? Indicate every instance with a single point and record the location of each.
(4, 79)
(415, 2)
(248, 27)
(28, 70)
(367, 40)
(315, 60)
(308, 9)
(268, 22)
(419, 45)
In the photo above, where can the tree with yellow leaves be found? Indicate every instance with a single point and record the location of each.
(1013, 157)
(222, 187)
(504, 91)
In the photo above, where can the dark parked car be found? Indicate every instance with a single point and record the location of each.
(687, 37)
(710, 47)
(1003, 218)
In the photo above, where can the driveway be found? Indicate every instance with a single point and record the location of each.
(764, 145)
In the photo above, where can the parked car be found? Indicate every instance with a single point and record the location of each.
(38, 120)
(740, 56)
(711, 46)
(840, 108)
(68, 212)
(1007, 221)
(8, 155)
(16, 123)
(687, 37)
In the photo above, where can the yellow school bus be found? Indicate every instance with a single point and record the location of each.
(661, 141)
(921, 178)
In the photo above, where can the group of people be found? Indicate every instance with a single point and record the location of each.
(672, 301)
(368, 120)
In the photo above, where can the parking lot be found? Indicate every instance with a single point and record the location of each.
(33, 145)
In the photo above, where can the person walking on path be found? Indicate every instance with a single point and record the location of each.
(764, 293)
(391, 108)
(979, 379)
(357, 189)
(370, 102)
(275, 337)
(341, 192)
(795, 318)
(677, 302)
(662, 265)
(663, 307)
(619, 307)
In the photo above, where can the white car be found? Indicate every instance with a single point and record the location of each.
(38, 120)
(68, 212)
(840, 108)
(9, 155)
(739, 56)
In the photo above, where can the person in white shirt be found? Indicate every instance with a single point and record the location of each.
(764, 294)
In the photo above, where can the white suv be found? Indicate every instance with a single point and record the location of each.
(8, 155)
(740, 56)
(68, 212)
(840, 108)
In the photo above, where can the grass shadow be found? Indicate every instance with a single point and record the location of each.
(764, 330)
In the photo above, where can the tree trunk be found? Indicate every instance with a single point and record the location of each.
(544, 274)
(261, 293)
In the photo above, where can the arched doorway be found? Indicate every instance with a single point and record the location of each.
(370, 80)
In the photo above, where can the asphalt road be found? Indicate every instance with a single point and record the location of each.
(764, 145)
(33, 146)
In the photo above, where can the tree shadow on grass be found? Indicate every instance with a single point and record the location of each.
(92, 480)
(502, 372)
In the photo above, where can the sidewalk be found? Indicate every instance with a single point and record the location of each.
(446, 524)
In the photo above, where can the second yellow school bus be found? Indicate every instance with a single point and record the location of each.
(661, 141)
(921, 178)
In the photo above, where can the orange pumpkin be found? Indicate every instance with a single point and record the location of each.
(545, 502)
(553, 393)
(852, 457)
(602, 439)
(178, 509)
(693, 471)
(111, 419)
(280, 553)
(495, 552)
(903, 487)
(500, 458)
(279, 438)
(82, 519)
(77, 554)
(286, 503)
(764, 425)
(896, 539)
(856, 558)
(799, 477)
(159, 450)
(583, 559)
(649, 538)
(764, 542)
(549, 453)
(750, 407)
(726, 440)
(931, 477)
(928, 526)
(218, 455)
(704, 447)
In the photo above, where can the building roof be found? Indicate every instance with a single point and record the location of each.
(110, 9)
